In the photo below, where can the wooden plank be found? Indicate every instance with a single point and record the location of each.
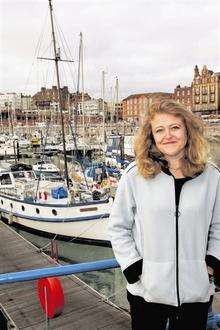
(84, 308)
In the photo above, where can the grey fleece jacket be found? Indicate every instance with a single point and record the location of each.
(173, 244)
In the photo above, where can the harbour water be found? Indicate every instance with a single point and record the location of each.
(109, 283)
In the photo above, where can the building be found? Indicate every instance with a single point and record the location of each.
(184, 95)
(92, 107)
(11, 100)
(135, 105)
(26, 102)
(118, 111)
(76, 99)
(206, 91)
(47, 97)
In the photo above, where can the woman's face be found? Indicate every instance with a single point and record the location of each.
(169, 134)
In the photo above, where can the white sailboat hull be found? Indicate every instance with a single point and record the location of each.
(83, 221)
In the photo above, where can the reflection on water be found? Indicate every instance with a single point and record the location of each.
(109, 283)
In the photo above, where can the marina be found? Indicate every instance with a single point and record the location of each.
(62, 154)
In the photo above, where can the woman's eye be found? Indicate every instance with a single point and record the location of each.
(175, 128)
(159, 130)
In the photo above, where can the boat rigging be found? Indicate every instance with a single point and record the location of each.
(57, 59)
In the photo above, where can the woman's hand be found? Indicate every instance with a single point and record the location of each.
(210, 271)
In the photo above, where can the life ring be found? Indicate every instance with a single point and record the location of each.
(50, 294)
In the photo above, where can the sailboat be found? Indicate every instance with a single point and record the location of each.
(64, 212)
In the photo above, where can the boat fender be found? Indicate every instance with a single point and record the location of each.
(51, 297)
(112, 181)
(43, 195)
(10, 218)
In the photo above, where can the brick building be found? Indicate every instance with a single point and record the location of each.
(135, 105)
(76, 99)
(184, 96)
(48, 97)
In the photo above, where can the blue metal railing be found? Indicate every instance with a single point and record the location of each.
(34, 274)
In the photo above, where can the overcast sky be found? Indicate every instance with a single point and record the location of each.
(151, 45)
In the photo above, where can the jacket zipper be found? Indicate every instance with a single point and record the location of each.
(177, 214)
(177, 255)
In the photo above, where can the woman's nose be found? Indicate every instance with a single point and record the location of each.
(168, 133)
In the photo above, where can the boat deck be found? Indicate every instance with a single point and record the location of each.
(84, 308)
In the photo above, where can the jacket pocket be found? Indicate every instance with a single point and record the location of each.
(158, 279)
(194, 281)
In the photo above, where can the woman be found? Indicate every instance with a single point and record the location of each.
(165, 222)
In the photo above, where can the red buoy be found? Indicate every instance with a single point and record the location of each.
(50, 294)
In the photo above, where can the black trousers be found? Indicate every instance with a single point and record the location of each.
(147, 316)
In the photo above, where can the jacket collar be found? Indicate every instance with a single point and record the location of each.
(166, 170)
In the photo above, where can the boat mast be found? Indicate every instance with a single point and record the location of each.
(116, 102)
(103, 107)
(82, 76)
(57, 59)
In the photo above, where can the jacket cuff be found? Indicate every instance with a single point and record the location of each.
(214, 263)
(133, 272)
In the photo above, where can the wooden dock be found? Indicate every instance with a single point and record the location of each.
(84, 308)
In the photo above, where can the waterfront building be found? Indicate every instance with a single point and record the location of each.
(135, 106)
(206, 91)
(48, 96)
(11, 100)
(92, 107)
(26, 102)
(76, 98)
(203, 96)
(118, 111)
(184, 95)
(92, 111)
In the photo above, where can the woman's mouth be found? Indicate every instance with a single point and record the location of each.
(170, 142)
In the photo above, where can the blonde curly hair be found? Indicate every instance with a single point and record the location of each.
(150, 160)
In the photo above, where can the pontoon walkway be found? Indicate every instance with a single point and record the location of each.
(84, 308)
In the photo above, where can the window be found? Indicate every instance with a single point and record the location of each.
(212, 89)
(212, 98)
(204, 99)
(5, 179)
(54, 212)
(204, 90)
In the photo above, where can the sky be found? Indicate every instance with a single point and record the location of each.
(150, 45)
